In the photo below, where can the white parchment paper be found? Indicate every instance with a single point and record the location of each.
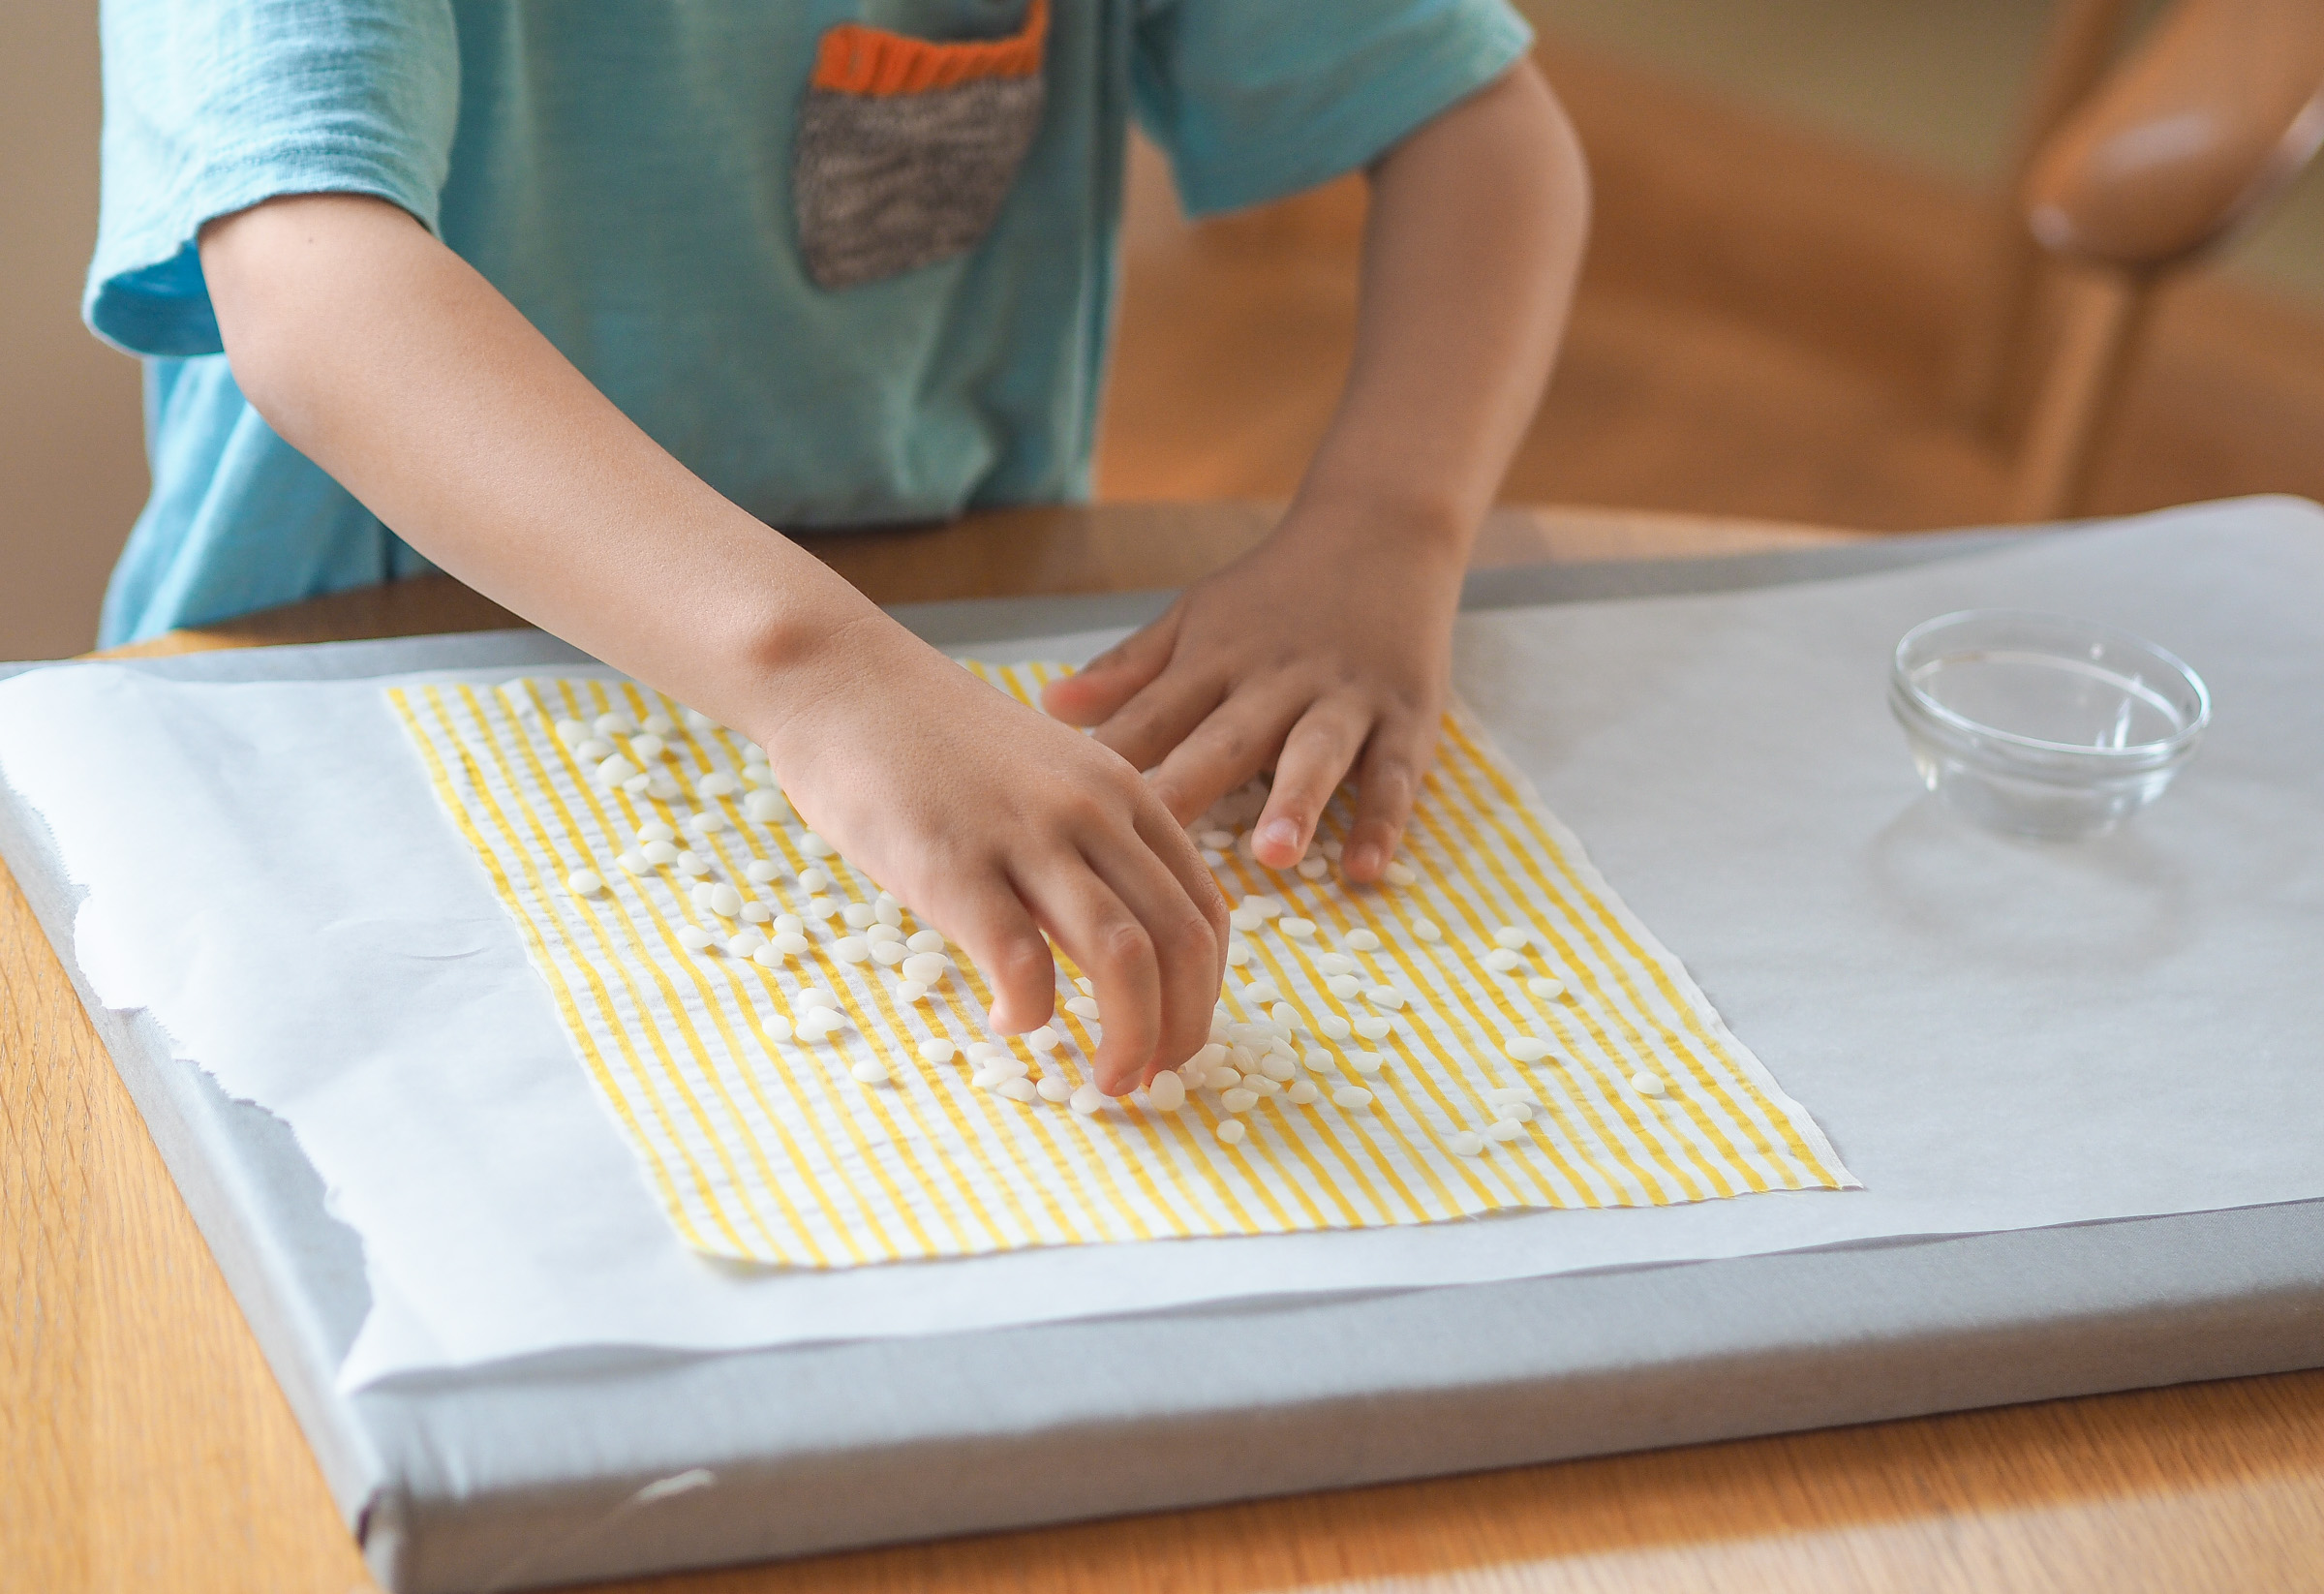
(1996, 1034)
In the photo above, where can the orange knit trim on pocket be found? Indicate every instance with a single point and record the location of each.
(857, 59)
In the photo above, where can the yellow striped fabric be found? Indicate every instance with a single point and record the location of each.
(767, 1150)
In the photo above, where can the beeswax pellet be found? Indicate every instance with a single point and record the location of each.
(692, 863)
(1044, 1039)
(662, 785)
(925, 940)
(1548, 990)
(1284, 1013)
(869, 1071)
(1266, 906)
(1398, 874)
(1513, 1111)
(700, 724)
(1219, 839)
(790, 942)
(571, 732)
(1370, 1026)
(1364, 940)
(1021, 1089)
(656, 724)
(788, 924)
(634, 861)
(1335, 1027)
(1087, 1099)
(1385, 996)
(1526, 1048)
(887, 953)
(813, 995)
(1367, 1063)
(1238, 953)
(1298, 929)
(1054, 1087)
(1424, 930)
(1238, 1100)
(1335, 963)
(821, 908)
(937, 1052)
(1222, 1078)
(1167, 1092)
(614, 770)
(928, 967)
(638, 785)
(1511, 936)
(693, 937)
(887, 909)
(1501, 960)
(1302, 1093)
(1258, 1085)
(814, 845)
(584, 882)
(771, 954)
(1646, 1085)
(1352, 1096)
(647, 746)
(707, 824)
(654, 830)
(1243, 919)
(1259, 991)
(724, 901)
(596, 750)
(886, 934)
(699, 896)
(757, 912)
(850, 949)
(1313, 869)
(1466, 1142)
(1081, 1007)
(659, 853)
(814, 877)
(744, 943)
(1316, 1061)
(615, 723)
(1276, 1066)
(1508, 1093)
(717, 784)
(1230, 1130)
(910, 990)
(1505, 1129)
(857, 914)
(766, 805)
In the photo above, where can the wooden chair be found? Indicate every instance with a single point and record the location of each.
(2127, 173)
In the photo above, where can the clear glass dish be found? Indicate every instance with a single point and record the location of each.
(2043, 724)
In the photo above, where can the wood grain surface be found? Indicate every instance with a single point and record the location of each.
(145, 1446)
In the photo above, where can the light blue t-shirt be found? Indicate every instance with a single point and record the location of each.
(622, 170)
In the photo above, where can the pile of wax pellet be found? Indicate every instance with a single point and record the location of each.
(1257, 1051)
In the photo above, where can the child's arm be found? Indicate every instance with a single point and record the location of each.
(1327, 649)
(385, 357)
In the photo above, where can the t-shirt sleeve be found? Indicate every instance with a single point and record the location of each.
(213, 106)
(1255, 99)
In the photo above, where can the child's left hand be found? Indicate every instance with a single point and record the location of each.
(1322, 653)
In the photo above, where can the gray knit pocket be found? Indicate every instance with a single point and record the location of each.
(887, 182)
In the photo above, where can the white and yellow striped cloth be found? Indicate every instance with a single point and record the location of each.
(765, 1150)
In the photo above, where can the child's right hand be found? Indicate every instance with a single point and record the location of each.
(995, 823)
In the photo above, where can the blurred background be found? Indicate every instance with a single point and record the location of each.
(1798, 212)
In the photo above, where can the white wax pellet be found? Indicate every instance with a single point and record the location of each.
(614, 770)
(1087, 1099)
(1370, 1026)
(1258, 1085)
(1367, 1063)
(984, 1051)
(724, 901)
(885, 904)
(744, 943)
(1054, 1087)
(1385, 996)
(596, 750)
(1501, 960)
(571, 732)
(1284, 1013)
(1081, 1007)
(814, 845)
(1508, 1093)
(850, 949)
(1222, 1078)
(814, 877)
(584, 882)
(1208, 1057)
(1238, 1100)
(1343, 986)
(656, 724)
(662, 786)
(717, 784)
(707, 824)
(1238, 953)
(1511, 936)
(1213, 858)
(756, 773)
(757, 912)
(654, 830)
(789, 923)
(1397, 874)
(1266, 906)
(772, 954)
(857, 914)
(693, 937)
(1335, 1027)
(700, 724)
(638, 785)
(1514, 1112)
(1021, 1089)
(647, 746)
(614, 724)
(886, 934)
(1166, 1092)
(1425, 930)
(1335, 963)
(1313, 869)
(813, 996)
(1259, 991)
(1243, 918)
(1317, 1061)
(818, 1024)
(1329, 849)
(692, 863)
(925, 940)
(1352, 1095)
(1302, 1093)
(928, 967)
(790, 942)
(1527, 1048)
(1277, 1067)
(1044, 1039)
(821, 908)
(1364, 940)
(1298, 929)
(1217, 837)
(659, 853)
(936, 1051)
(634, 861)
(910, 991)
(1466, 1142)
(1546, 988)
(766, 807)
(869, 1071)
(1646, 1085)
(700, 895)
(1230, 1130)
(1083, 986)
(1505, 1129)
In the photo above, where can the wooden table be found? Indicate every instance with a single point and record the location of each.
(147, 1447)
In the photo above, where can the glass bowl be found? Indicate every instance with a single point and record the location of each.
(2043, 724)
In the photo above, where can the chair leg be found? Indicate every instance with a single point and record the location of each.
(2081, 392)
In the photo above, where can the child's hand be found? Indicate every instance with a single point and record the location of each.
(1325, 651)
(995, 824)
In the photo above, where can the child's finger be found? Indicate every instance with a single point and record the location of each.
(1235, 743)
(1099, 688)
(1388, 782)
(1005, 943)
(1159, 831)
(1160, 715)
(1188, 955)
(1314, 760)
(1103, 935)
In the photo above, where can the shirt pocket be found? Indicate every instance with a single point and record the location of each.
(907, 148)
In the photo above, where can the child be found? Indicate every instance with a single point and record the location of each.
(581, 299)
